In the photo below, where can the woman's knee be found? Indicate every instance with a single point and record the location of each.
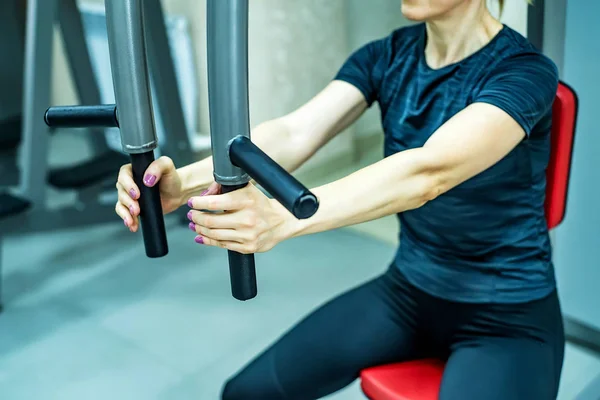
(232, 390)
(252, 384)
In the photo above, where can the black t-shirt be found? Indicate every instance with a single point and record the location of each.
(486, 240)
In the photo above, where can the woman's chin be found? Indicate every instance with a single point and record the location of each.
(414, 13)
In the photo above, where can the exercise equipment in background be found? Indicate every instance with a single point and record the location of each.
(28, 209)
(12, 25)
(236, 159)
(421, 379)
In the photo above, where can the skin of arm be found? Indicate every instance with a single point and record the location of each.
(291, 140)
(466, 145)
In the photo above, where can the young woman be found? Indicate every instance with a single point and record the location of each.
(466, 110)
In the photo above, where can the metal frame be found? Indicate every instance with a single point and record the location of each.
(546, 30)
(80, 64)
(95, 204)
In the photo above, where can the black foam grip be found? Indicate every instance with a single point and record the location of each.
(151, 215)
(242, 270)
(103, 116)
(286, 189)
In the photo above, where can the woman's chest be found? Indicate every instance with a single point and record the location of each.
(414, 105)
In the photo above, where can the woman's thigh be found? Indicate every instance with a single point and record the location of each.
(367, 326)
(501, 369)
(508, 352)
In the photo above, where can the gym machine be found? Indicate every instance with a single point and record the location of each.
(12, 23)
(236, 158)
(26, 209)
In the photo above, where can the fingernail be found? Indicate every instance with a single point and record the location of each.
(150, 180)
(132, 193)
(190, 203)
(199, 240)
(132, 210)
(125, 222)
(189, 215)
(204, 193)
(192, 226)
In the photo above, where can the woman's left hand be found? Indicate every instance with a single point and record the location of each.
(251, 222)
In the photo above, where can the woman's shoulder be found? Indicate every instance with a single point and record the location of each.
(515, 49)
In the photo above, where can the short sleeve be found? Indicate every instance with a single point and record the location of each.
(363, 69)
(524, 86)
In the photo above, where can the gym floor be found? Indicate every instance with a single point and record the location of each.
(89, 317)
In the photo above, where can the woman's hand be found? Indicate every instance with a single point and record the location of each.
(252, 223)
(161, 172)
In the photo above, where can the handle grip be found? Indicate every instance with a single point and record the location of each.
(242, 270)
(273, 178)
(103, 116)
(151, 214)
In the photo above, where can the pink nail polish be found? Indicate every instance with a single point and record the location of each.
(192, 226)
(190, 203)
(150, 180)
(125, 222)
(132, 193)
(132, 210)
(199, 240)
(204, 193)
(189, 215)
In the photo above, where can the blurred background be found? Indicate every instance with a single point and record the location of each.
(88, 316)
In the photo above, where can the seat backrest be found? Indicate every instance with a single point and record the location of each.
(564, 116)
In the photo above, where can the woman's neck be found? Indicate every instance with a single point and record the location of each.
(459, 33)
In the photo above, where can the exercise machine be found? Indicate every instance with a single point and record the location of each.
(421, 379)
(27, 209)
(236, 158)
(12, 23)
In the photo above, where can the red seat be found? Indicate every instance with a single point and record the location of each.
(421, 379)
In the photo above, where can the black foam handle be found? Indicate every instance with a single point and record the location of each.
(242, 270)
(103, 116)
(286, 189)
(151, 214)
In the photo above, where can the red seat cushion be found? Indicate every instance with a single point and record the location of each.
(564, 116)
(409, 380)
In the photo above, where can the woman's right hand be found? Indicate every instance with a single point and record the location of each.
(161, 172)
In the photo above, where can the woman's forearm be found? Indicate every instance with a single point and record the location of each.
(273, 137)
(399, 183)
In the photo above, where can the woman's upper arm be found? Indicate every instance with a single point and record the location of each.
(327, 114)
(344, 100)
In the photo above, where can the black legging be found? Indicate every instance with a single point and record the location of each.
(494, 351)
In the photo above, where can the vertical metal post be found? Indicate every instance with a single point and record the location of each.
(126, 40)
(41, 15)
(11, 61)
(80, 63)
(227, 34)
(535, 24)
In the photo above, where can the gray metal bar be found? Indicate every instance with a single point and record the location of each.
(582, 334)
(80, 64)
(127, 45)
(555, 25)
(11, 61)
(130, 75)
(166, 93)
(535, 23)
(227, 31)
(36, 99)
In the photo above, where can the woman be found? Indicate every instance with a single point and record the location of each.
(466, 109)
